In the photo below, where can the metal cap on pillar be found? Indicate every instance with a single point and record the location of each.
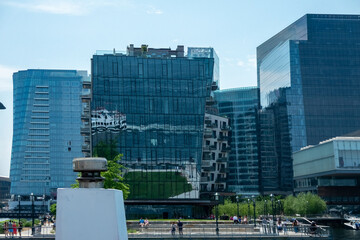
(90, 169)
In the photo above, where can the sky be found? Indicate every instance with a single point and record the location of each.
(64, 34)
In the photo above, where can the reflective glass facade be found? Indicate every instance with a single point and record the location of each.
(151, 103)
(46, 137)
(240, 105)
(310, 72)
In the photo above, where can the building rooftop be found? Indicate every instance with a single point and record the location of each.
(341, 138)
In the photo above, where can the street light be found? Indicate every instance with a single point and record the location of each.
(272, 205)
(265, 206)
(248, 209)
(19, 199)
(254, 204)
(32, 199)
(279, 203)
(237, 203)
(43, 198)
(217, 212)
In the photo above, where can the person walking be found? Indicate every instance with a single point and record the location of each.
(10, 229)
(14, 228)
(173, 228)
(6, 230)
(180, 227)
(20, 228)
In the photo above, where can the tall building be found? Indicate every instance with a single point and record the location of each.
(240, 106)
(46, 137)
(4, 191)
(2, 106)
(308, 75)
(151, 104)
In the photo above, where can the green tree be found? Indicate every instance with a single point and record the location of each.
(53, 209)
(304, 203)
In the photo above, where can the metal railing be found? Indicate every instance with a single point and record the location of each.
(226, 230)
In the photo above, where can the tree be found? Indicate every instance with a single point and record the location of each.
(53, 209)
(304, 203)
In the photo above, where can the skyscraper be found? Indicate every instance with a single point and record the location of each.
(46, 137)
(241, 105)
(151, 104)
(308, 75)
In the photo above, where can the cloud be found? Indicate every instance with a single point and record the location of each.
(240, 63)
(67, 7)
(6, 78)
(153, 10)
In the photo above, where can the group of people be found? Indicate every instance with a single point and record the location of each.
(179, 225)
(11, 229)
(144, 223)
(238, 220)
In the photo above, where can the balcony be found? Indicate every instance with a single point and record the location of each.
(220, 180)
(214, 86)
(225, 127)
(223, 138)
(85, 130)
(85, 147)
(207, 134)
(208, 168)
(221, 160)
(212, 147)
(207, 157)
(210, 101)
(204, 179)
(211, 125)
(223, 170)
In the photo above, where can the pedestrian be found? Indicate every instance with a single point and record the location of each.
(10, 229)
(14, 228)
(239, 219)
(173, 228)
(245, 219)
(6, 230)
(279, 225)
(20, 228)
(180, 227)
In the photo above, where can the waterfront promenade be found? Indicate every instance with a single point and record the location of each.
(200, 230)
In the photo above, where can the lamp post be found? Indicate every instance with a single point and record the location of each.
(248, 209)
(217, 213)
(19, 200)
(254, 205)
(265, 206)
(279, 203)
(272, 205)
(237, 204)
(43, 198)
(32, 199)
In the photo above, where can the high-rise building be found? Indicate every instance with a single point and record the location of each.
(2, 106)
(150, 103)
(308, 75)
(46, 137)
(240, 106)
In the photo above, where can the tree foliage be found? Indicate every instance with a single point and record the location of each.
(53, 209)
(304, 203)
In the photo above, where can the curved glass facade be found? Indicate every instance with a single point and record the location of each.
(46, 137)
(152, 106)
(240, 105)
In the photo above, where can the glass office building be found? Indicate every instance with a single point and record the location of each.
(310, 73)
(46, 137)
(151, 104)
(241, 105)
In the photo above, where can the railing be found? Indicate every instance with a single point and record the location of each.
(225, 230)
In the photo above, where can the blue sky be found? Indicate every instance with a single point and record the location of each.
(63, 34)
